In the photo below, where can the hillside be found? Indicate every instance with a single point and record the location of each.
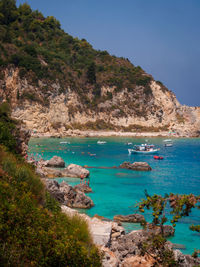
(56, 82)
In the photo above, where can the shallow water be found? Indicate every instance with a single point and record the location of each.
(116, 191)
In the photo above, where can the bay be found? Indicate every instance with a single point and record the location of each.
(116, 191)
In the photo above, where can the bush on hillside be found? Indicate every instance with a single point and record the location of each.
(33, 231)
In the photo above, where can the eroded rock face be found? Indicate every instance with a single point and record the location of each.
(136, 166)
(56, 162)
(66, 195)
(134, 218)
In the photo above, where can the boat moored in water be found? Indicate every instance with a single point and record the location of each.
(143, 149)
(101, 142)
(168, 142)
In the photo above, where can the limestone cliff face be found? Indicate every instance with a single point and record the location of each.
(45, 109)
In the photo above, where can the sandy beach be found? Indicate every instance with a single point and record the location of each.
(91, 133)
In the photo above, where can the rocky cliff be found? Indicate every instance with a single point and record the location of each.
(128, 111)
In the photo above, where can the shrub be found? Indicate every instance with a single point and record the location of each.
(33, 231)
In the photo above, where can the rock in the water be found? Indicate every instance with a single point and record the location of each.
(66, 194)
(168, 230)
(56, 162)
(134, 218)
(70, 171)
(77, 171)
(136, 166)
(83, 188)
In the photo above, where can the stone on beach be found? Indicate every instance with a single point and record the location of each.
(136, 166)
(56, 162)
(134, 218)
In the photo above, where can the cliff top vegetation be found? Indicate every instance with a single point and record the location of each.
(43, 51)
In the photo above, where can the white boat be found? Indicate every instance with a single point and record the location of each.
(101, 142)
(168, 142)
(143, 149)
(64, 142)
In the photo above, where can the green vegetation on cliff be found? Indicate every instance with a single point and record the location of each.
(33, 230)
(43, 51)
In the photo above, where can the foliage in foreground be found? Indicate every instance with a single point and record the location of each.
(33, 231)
(180, 206)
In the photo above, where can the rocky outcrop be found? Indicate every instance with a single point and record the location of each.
(133, 218)
(83, 188)
(73, 170)
(136, 166)
(168, 230)
(56, 162)
(138, 261)
(77, 171)
(66, 195)
(120, 249)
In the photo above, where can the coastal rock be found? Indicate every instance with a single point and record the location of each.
(66, 194)
(185, 260)
(77, 171)
(138, 261)
(168, 230)
(134, 218)
(83, 188)
(54, 189)
(56, 162)
(129, 245)
(136, 166)
(72, 170)
(75, 199)
(109, 258)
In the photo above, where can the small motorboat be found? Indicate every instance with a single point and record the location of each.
(101, 142)
(143, 149)
(157, 157)
(168, 142)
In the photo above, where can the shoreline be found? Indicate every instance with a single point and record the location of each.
(92, 133)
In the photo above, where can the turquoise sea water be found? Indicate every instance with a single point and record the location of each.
(116, 191)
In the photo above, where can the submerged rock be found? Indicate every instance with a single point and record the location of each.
(136, 166)
(56, 162)
(134, 218)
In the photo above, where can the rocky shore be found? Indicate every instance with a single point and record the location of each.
(124, 250)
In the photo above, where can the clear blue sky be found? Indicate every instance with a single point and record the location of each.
(161, 36)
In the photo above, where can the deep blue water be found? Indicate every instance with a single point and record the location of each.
(116, 191)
